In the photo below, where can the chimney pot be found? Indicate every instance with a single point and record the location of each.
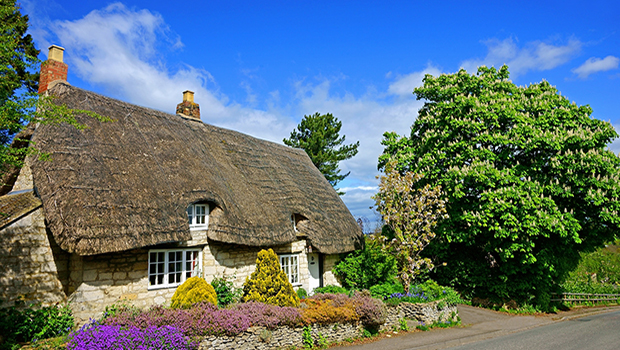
(56, 53)
(53, 69)
(188, 96)
(188, 108)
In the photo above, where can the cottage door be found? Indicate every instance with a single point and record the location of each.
(314, 272)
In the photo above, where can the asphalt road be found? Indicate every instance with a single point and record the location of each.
(590, 328)
(600, 332)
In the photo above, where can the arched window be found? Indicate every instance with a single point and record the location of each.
(198, 216)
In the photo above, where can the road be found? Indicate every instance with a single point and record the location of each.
(600, 332)
(593, 328)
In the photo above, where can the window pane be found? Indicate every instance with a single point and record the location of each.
(160, 268)
(152, 269)
(179, 256)
(161, 256)
(152, 280)
(160, 279)
(153, 257)
(190, 214)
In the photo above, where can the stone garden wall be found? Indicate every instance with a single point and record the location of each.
(259, 338)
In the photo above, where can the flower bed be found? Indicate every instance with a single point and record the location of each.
(331, 317)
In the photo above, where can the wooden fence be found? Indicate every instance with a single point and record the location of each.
(585, 297)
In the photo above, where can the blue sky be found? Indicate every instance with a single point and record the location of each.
(259, 67)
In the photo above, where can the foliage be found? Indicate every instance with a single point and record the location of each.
(319, 135)
(226, 291)
(364, 268)
(412, 211)
(382, 291)
(268, 283)
(192, 291)
(326, 311)
(307, 337)
(33, 323)
(403, 326)
(424, 293)
(331, 289)
(301, 293)
(102, 337)
(528, 177)
(340, 308)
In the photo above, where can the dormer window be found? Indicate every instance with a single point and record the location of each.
(198, 216)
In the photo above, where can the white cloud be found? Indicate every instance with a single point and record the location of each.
(595, 65)
(404, 85)
(533, 56)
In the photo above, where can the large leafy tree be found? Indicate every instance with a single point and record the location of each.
(529, 180)
(319, 135)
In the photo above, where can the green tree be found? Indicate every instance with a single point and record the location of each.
(528, 178)
(319, 136)
(411, 212)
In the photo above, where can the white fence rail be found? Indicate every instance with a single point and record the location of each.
(584, 297)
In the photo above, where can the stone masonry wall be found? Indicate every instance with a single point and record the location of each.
(231, 260)
(260, 338)
(30, 270)
(329, 261)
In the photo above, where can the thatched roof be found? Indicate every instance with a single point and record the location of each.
(15, 205)
(127, 183)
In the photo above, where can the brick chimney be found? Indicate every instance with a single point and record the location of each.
(188, 108)
(52, 69)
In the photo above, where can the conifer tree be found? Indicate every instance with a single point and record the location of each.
(268, 283)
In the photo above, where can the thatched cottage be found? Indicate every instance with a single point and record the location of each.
(130, 208)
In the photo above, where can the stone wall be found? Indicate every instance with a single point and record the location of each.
(260, 338)
(428, 313)
(30, 271)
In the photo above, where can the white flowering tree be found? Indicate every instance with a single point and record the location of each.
(412, 212)
(528, 175)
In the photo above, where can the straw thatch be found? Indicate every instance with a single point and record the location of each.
(126, 184)
(14, 206)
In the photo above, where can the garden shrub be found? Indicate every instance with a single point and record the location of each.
(268, 283)
(301, 293)
(331, 289)
(26, 324)
(362, 269)
(426, 292)
(372, 312)
(193, 291)
(226, 291)
(383, 291)
(327, 311)
(270, 316)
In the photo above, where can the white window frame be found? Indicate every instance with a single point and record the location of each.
(289, 263)
(194, 221)
(156, 269)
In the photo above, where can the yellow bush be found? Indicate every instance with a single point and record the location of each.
(193, 291)
(269, 284)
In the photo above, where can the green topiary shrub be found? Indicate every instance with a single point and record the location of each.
(193, 291)
(269, 284)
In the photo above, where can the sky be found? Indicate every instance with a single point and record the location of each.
(259, 66)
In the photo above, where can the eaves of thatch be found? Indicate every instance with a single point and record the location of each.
(126, 184)
(15, 205)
